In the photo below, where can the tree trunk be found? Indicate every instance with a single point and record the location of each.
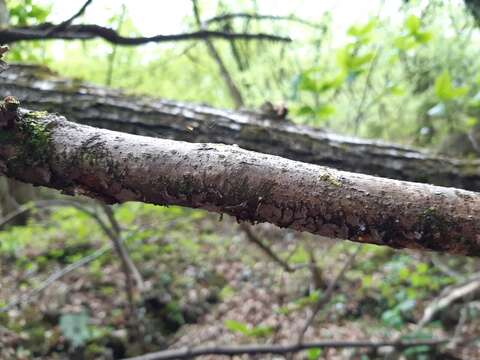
(38, 88)
(115, 167)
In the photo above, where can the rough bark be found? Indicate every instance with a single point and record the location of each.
(38, 88)
(115, 167)
(12, 193)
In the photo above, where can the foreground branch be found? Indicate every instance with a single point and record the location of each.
(45, 149)
(189, 353)
(41, 89)
(89, 32)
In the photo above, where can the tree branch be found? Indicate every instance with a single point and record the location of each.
(235, 93)
(253, 16)
(88, 32)
(325, 297)
(254, 349)
(45, 149)
(28, 297)
(253, 238)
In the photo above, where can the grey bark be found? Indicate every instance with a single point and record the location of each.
(38, 88)
(115, 167)
(12, 193)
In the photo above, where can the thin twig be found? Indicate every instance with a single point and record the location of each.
(47, 204)
(67, 22)
(113, 55)
(249, 16)
(253, 238)
(361, 107)
(189, 353)
(234, 91)
(447, 297)
(117, 232)
(328, 293)
(444, 268)
(28, 297)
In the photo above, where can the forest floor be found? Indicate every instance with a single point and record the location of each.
(205, 284)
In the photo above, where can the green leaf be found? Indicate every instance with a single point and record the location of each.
(362, 32)
(360, 60)
(237, 326)
(404, 273)
(422, 268)
(306, 83)
(396, 90)
(314, 354)
(413, 23)
(423, 37)
(349, 61)
(325, 110)
(404, 43)
(392, 318)
(471, 121)
(305, 110)
(300, 256)
(445, 90)
(367, 280)
(75, 329)
(260, 331)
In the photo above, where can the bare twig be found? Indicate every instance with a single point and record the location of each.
(253, 238)
(232, 87)
(457, 339)
(28, 297)
(67, 22)
(444, 268)
(448, 296)
(91, 31)
(189, 353)
(47, 204)
(117, 232)
(113, 54)
(113, 232)
(361, 107)
(325, 298)
(252, 16)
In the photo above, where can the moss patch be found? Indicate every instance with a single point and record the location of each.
(35, 137)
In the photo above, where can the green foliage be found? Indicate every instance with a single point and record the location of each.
(445, 89)
(75, 328)
(248, 331)
(413, 36)
(25, 13)
(314, 354)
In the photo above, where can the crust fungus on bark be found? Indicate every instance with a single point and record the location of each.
(45, 149)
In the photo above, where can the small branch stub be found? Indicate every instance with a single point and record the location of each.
(9, 112)
(9, 106)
